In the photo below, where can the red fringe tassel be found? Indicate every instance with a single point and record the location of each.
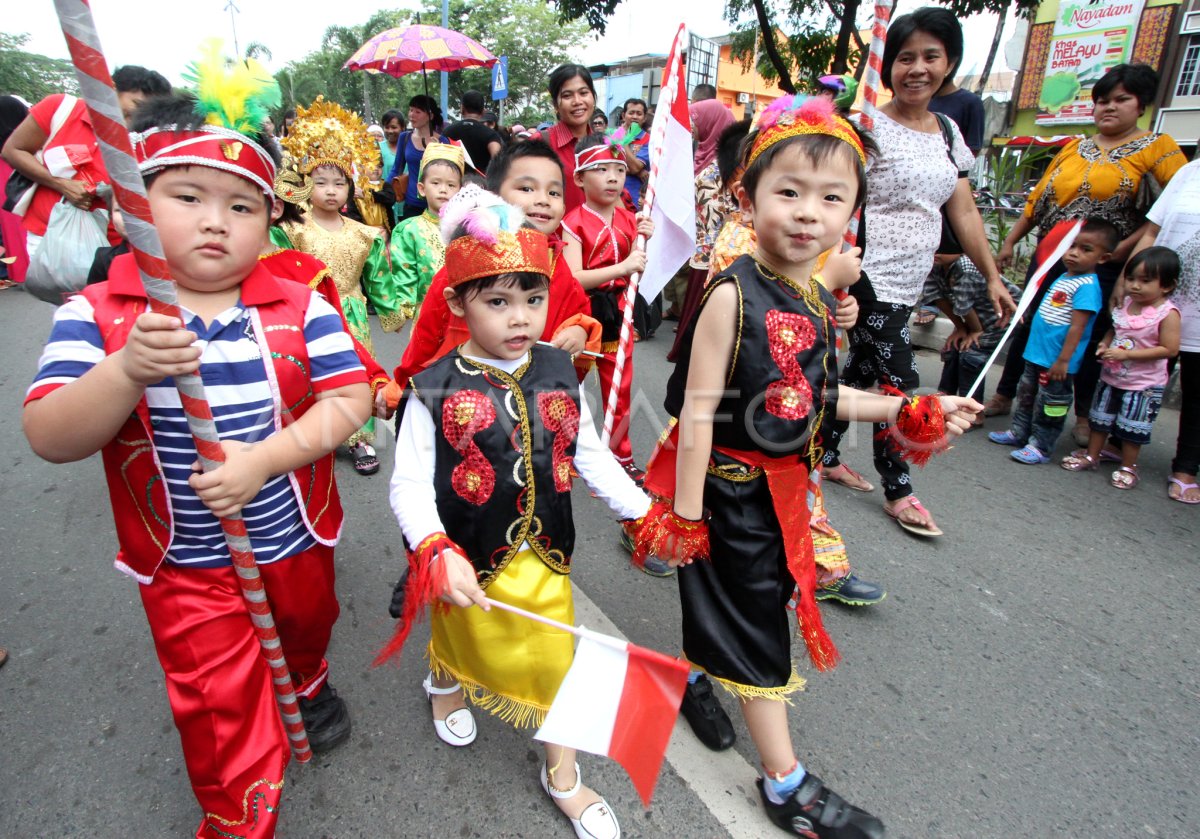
(426, 583)
(668, 536)
(920, 429)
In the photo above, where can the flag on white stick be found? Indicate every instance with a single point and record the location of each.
(674, 208)
(618, 700)
(1049, 251)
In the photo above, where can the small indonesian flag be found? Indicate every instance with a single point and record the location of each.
(621, 701)
(674, 208)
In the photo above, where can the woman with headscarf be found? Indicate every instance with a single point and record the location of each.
(709, 119)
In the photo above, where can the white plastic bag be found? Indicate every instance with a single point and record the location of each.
(60, 266)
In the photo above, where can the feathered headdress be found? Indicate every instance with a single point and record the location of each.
(233, 98)
(793, 116)
(327, 134)
(485, 236)
(238, 95)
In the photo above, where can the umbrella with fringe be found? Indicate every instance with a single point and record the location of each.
(418, 49)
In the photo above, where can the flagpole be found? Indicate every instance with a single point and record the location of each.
(100, 96)
(658, 134)
(870, 89)
(1031, 289)
(577, 631)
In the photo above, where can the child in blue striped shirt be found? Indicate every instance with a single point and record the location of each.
(285, 387)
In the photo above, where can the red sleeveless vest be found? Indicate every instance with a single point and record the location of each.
(141, 508)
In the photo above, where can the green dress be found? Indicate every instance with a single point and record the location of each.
(356, 256)
(418, 253)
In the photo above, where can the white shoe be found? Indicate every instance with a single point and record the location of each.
(458, 729)
(597, 821)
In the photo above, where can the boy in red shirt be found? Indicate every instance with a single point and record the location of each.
(601, 248)
(529, 176)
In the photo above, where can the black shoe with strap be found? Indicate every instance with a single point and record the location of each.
(326, 719)
(705, 715)
(814, 811)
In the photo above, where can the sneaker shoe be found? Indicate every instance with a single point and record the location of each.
(653, 566)
(1029, 454)
(326, 719)
(851, 591)
(704, 714)
(1004, 438)
(814, 811)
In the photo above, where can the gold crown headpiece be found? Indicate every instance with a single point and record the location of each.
(327, 134)
(446, 152)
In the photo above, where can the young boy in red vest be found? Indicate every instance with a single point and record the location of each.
(285, 387)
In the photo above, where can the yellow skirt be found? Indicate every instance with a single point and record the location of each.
(509, 665)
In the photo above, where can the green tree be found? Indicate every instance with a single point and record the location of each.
(29, 75)
(811, 37)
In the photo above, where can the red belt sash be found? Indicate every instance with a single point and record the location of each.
(787, 481)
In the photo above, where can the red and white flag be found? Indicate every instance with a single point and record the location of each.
(673, 207)
(621, 701)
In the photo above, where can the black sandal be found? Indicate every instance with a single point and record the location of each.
(365, 461)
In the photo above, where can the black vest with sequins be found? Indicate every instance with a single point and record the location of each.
(783, 370)
(504, 448)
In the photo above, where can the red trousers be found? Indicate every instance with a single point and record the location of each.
(219, 686)
(619, 441)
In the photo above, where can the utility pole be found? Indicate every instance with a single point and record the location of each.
(233, 10)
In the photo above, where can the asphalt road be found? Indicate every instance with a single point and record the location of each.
(1032, 673)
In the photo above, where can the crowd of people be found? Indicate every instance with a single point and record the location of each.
(509, 251)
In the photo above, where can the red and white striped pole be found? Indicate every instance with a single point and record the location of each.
(96, 87)
(658, 135)
(870, 91)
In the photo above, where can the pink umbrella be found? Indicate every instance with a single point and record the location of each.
(418, 48)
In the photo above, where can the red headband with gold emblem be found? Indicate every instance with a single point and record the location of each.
(211, 146)
(590, 158)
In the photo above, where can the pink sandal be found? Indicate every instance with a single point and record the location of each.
(1080, 461)
(902, 504)
(1126, 477)
(1184, 486)
(847, 477)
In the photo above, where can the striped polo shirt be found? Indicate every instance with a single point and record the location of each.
(242, 404)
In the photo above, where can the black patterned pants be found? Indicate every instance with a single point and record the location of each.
(880, 353)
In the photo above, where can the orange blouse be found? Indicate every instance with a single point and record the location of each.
(1117, 185)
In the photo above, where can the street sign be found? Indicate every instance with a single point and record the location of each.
(500, 78)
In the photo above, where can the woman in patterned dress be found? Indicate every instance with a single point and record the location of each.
(1115, 175)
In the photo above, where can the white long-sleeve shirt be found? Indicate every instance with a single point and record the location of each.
(412, 492)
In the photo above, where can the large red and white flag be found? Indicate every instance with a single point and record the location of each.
(618, 700)
(673, 207)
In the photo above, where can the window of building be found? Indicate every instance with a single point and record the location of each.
(1189, 70)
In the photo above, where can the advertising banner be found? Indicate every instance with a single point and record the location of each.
(1090, 37)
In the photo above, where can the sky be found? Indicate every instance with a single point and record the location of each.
(165, 35)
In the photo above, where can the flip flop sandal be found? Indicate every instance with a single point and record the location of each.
(365, 461)
(1125, 478)
(924, 318)
(1183, 488)
(850, 479)
(1080, 462)
(916, 529)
